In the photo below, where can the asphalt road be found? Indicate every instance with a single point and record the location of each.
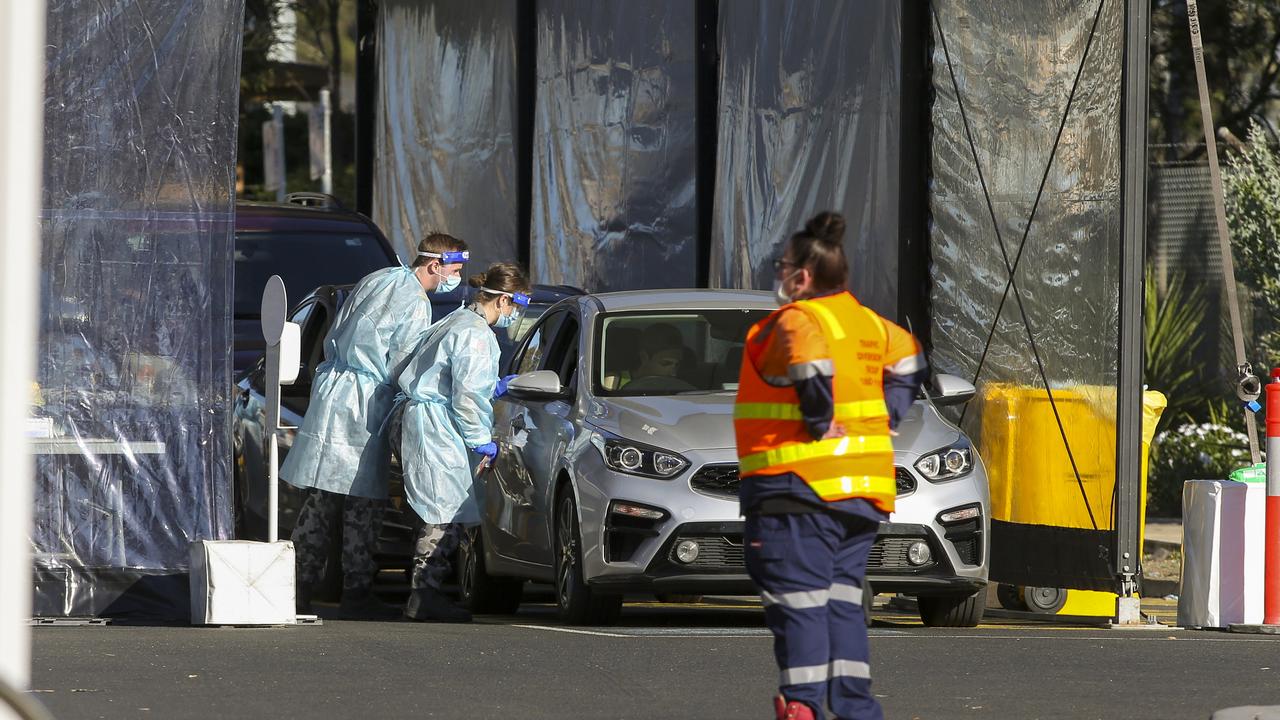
(705, 661)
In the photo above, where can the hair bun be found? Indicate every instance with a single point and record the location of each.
(828, 227)
(477, 280)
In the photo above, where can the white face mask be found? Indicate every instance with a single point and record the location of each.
(448, 283)
(779, 293)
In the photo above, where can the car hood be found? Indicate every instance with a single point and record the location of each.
(923, 430)
(705, 422)
(680, 423)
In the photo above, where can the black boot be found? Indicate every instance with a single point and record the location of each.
(428, 605)
(302, 599)
(362, 604)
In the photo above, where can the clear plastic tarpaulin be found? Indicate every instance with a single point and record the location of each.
(130, 420)
(445, 135)
(1067, 279)
(808, 121)
(614, 157)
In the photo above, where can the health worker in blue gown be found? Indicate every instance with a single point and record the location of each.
(443, 430)
(340, 454)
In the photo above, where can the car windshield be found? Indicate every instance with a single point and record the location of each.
(672, 352)
(304, 261)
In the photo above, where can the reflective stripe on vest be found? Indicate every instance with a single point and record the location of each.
(860, 410)
(822, 449)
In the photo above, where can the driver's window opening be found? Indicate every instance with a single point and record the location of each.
(671, 353)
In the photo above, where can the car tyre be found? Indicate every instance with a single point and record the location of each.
(576, 603)
(953, 610)
(481, 592)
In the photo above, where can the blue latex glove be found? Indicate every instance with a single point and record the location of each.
(501, 388)
(489, 450)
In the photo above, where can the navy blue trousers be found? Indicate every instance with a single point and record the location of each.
(810, 568)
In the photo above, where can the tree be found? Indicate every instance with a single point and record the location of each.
(321, 23)
(259, 36)
(1241, 39)
(1251, 184)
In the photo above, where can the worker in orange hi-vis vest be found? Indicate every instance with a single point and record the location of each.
(824, 381)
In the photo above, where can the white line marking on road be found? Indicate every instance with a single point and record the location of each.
(571, 631)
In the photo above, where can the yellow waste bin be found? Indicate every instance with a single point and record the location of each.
(1030, 471)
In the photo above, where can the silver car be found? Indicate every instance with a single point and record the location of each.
(617, 472)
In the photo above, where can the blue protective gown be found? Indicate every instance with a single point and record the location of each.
(340, 447)
(449, 386)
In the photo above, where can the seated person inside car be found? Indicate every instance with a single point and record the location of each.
(660, 352)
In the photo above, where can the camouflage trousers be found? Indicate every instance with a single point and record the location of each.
(313, 535)
(434, 550)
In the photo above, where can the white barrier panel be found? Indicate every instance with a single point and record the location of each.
(239, 582)
(1213, 543)
(1255, 516)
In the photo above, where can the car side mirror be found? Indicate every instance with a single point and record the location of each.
(536, 385)
(952, 390)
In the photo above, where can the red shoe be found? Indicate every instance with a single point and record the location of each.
(793, 710)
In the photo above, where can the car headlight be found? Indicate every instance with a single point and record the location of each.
(637, 459)
(948, 463)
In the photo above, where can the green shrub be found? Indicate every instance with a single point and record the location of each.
(1194, 451)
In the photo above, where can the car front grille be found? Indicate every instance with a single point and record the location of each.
(905, 480)
(722, 481)
(890, 553)
(718, 481)
(714, 551)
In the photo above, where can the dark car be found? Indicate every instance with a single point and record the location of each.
(311, 241)
(315, 314)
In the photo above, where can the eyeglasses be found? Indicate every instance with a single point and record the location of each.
(781, 263)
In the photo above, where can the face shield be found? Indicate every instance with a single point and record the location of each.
(519, 301)
(448, 282)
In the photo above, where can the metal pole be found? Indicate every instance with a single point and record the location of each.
(22, 38)
(326, 180)
(273, 439)
(1128, 497)
(273, 487)
(277, 120)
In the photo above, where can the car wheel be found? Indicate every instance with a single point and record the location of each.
(953, 610)
(481, 592)
(576, 603)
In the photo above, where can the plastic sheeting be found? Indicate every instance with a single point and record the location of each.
(614, 163)
(135, 343)
(445, 134)
(808, 121)
(1014, 94)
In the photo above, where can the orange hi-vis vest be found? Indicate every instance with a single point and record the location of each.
(771, 433)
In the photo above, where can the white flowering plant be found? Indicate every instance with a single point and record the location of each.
(1194, 451)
